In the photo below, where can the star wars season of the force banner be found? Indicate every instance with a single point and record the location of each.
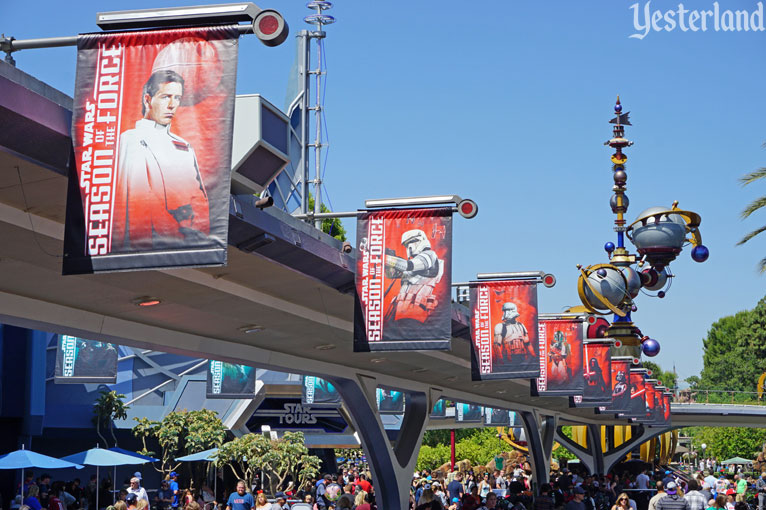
(85, 361)
(560, 347)
(504, 330)
(620, 386)
(152, 130)
(390, 401)
(318, 392)
(597, 370)
(403, 278)
(229, 380)
(637, 408)
(651, 403)
(468, 413)
(497, 417)
(439, 410)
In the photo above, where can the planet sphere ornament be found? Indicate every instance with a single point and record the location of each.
(603, 289)
(650, 347)
(700, 253)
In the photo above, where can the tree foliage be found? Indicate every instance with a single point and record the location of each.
(752, 207)
(330, 226)
(179, 433)
(109, 406)
(669, 379)
(735, 351)
(280, 460)
(727, 442)
(479, 445)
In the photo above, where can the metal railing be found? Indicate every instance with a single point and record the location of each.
(703, 396)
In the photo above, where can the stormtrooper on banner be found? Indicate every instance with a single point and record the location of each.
(511, 339)
(419, 274)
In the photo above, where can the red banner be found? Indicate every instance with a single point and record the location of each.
(651, 402)
(152, 130)
(620, 386)
(637, 393)
(403, 280)
(504, 330)
(597, 373)
(560, 343)
(666, 407)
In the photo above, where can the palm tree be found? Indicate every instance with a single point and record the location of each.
(753, 206)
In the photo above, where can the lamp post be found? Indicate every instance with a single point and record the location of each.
(703, 446)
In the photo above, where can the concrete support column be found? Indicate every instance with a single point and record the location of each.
(391, 465)
(540, 436)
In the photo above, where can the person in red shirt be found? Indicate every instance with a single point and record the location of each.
(364, 484)
(54, 503)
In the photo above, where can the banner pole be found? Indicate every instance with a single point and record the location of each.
(452, 449)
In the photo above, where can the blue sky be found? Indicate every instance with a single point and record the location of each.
(507, 103)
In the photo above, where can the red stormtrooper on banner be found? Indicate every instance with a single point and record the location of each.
(419, 274)
(511, 338)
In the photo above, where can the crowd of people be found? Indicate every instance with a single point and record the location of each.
(351, 489)
(567, 490)
(348, 489)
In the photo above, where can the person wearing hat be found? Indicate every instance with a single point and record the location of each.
(578, 495)
(281, 502)
(174, 489)
(131, 500)
(672, 500)
(135, 488)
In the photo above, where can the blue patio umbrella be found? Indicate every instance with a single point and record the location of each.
(102, 457)
(208, 455)
(133, 454)
(23, 459)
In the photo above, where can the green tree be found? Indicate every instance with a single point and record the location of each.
(280, 460)
(109, 406)
(179, 433)
(735, 354)
(726, 442)
(330, 226)
(752, 207)
(668, 379)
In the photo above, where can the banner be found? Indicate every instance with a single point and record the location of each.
(650, 400)
(152, 130)
(318, 392)
(468, 413)
(666, 409)
(597, 370)
(390, 401)
(403, 280)
(497, 417)
(637, 407)
(620, 386)
(440, 409)
(229, 380)
(85, 361)
(560, 347)
(504, 330)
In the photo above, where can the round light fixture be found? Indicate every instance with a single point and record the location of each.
(325, 347)
(146, 301)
